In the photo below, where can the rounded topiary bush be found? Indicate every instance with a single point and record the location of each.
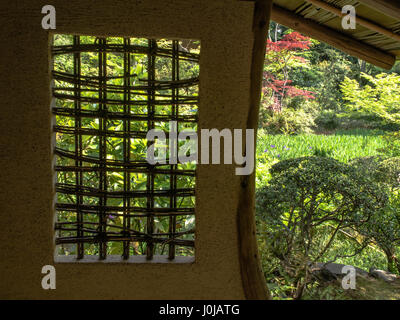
(384, 227)
(318, 188)
(384, 171)
(389, 171)
(307, 202)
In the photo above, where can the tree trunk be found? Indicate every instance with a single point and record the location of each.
(396, 263)
(392, 262)
(299, 290)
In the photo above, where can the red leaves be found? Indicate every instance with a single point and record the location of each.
(291, 42)
(296, 92)
(279, 54)
(284, 89)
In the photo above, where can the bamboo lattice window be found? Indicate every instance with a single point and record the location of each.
(108, 93)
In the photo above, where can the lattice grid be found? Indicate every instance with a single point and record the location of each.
(108, 92)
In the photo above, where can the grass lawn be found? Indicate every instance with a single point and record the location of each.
(343, 145)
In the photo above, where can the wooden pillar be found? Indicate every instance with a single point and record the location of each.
(252, 276)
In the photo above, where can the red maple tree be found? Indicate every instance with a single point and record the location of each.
(281, 57)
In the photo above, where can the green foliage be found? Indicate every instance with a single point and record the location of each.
(307, 202)
(115, 146)
(389, 172)
(328, 68)
(344, 146)
(288, 121)
(327, 120)
(392, 144)
(323, 72)
(264, 164)
(379, 97)
(357, 104)
(384, 227)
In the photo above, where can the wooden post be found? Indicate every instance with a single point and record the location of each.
(252, 276)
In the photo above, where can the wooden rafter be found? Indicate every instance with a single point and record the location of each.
(334, 38)
(389, 7)
(361, 21)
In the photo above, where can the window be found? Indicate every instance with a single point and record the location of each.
(108, 93)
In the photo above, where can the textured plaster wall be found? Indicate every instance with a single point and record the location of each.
(26, 175)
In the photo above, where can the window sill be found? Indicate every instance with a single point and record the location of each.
(118, 259)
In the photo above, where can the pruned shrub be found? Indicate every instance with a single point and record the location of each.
(385, 171)
(307, 202)
(384, 227)
(289, 121)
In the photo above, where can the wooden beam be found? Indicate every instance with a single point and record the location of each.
(334, 38)
(361, 21)
(253, 279)
(389, 7)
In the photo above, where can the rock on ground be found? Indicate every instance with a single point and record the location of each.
(381, 274)
(336, 268)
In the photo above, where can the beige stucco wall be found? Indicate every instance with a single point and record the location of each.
(26, 175)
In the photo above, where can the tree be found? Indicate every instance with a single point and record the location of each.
(384, 227)
(281, 57)
(379, 97)
(308, 202)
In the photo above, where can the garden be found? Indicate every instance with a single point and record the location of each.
(328, 171)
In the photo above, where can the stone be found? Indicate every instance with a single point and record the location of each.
(381, 274)
(336, 268)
